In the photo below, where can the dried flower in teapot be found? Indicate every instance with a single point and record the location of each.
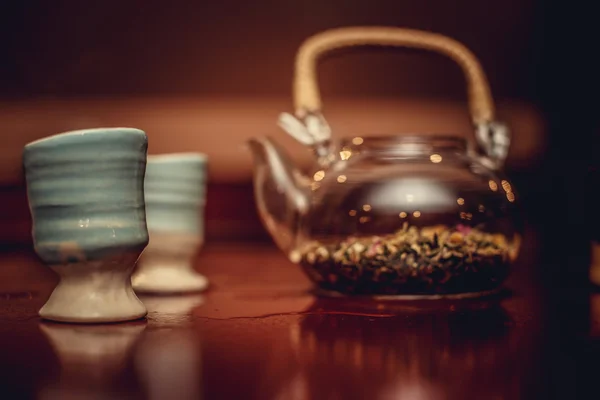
(429, 260)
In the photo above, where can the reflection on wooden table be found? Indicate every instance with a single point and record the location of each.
(91, 359)
(259, 333)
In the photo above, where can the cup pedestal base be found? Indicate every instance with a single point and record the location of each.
(167, 279)
(166, 266)
(93, 292)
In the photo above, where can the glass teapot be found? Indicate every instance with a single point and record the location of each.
(424, 216)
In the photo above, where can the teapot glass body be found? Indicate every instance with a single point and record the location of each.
(408, 216)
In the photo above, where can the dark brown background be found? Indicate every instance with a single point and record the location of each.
(135, 47)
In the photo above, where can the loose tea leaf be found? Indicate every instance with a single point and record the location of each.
(430, 260)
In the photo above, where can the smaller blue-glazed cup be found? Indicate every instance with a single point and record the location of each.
(175, 194)
(85, 192)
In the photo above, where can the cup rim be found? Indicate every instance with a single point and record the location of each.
(182, 156)
(81, 132)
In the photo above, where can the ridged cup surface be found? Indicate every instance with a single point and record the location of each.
(85, 191)
(175, 190)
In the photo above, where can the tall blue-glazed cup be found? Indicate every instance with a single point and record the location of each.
(175, 189)
(86, 196)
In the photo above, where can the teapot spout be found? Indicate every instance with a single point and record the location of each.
(281, 191)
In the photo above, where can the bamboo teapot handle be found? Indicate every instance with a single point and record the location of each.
(491, 135)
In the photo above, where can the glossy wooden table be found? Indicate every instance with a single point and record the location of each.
(258, 333)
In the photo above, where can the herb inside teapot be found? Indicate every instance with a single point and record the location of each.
(429, 260)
